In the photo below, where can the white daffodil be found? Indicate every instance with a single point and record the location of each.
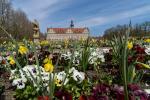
(78, 76)
(147, 51)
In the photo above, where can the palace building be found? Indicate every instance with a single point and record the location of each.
(71, 33)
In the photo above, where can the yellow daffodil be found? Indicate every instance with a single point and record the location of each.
(22, 50)
(48, 67)
(147, 40)
(47, 60)
(129, 45)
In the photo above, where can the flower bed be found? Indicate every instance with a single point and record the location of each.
(80, 72)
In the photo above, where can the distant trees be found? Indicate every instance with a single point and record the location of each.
(137, 30)
(14, 21)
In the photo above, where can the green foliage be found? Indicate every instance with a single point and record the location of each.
(28, 93)
(2, 87)
(85, 56)
(79, 89)
(120, 51)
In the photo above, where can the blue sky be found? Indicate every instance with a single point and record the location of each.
(97, 15)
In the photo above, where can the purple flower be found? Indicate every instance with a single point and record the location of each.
(63, 95)
(143, 95)
(101, 91)
(133, 87)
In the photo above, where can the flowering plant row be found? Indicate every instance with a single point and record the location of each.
(84, 71)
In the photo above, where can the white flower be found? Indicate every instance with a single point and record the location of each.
(78, 76)
(62, 77)
(12, 74)
(76, 62)
(19, 83)
(94, 53)
(76, 54)
(106, 50)
(101, 57)
(15, 82)
(72, 70)
(147, 91)
(147, 51)
(23, 78)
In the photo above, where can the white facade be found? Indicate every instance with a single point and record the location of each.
(67, 33)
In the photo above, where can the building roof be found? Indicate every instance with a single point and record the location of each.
(65, 30)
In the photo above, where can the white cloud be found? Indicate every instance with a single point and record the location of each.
(95, 21)
(40, 9)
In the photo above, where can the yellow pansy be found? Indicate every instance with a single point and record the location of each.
(129, 45)
(58, 82)
(22, 50)
(47, 60)
(12, 61)
(147, 40)
(48, 67)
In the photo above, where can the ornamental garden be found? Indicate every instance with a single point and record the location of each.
(92, 69)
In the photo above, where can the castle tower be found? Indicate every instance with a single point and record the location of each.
(72, 24)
